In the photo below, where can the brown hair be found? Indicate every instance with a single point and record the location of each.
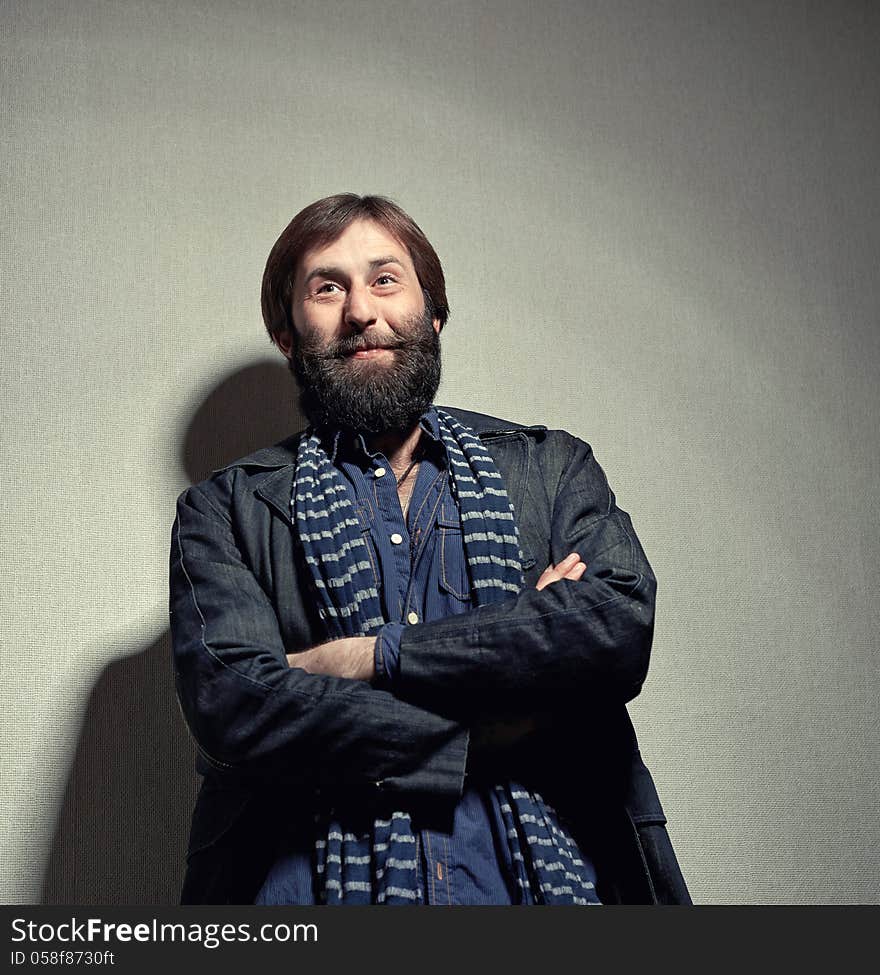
(321, 223)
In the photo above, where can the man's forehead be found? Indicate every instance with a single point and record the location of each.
(362, 241)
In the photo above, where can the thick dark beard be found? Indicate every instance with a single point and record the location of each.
(364, 395)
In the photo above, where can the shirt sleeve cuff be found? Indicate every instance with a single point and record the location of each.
(387, 655)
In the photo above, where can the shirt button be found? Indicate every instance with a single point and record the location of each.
(379, 472)
(396, 539)
(412, 618)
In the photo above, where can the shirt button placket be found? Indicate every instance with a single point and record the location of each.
(392, 517)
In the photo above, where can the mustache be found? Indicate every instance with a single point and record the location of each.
(347, 346)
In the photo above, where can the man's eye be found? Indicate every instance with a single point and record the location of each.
(325, 288)
(385, 279)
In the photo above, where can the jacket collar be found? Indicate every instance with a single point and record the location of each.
(283, 453)
(280, 460)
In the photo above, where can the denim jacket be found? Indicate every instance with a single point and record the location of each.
(270, 737)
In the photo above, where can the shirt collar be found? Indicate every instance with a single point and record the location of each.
(354, 446)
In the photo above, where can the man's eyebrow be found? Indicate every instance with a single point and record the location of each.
(382, 261)
(324, 272)
(337, 272)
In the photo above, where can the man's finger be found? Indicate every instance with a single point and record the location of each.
(562, 570)
(550, 574)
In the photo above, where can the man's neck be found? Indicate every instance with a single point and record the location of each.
(398, 447)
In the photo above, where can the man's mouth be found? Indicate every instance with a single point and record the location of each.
(370, 353)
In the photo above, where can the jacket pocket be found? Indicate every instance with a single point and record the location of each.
(662, 872)
(666, 880)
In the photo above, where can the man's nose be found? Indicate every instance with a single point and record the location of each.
(360, 310)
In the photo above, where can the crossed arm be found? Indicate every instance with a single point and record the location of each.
(254, 711)
(353, 657)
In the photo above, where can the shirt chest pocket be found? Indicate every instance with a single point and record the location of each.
(367, 552)
(453, 575)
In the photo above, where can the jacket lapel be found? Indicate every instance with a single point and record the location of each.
(277, 489)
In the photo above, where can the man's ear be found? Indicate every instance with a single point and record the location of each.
(284, 340)
(437, 325)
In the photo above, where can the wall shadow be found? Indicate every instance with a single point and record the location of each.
(124, 820)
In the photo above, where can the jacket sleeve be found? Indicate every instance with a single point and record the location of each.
(572, 641)
(251, 715)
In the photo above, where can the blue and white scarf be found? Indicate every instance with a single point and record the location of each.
(381, 864)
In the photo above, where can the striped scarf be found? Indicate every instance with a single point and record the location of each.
(380, 865)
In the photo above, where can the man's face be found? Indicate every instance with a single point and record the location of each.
(365, 349)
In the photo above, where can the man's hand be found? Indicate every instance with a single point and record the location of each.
(570, 567)
(350, 657)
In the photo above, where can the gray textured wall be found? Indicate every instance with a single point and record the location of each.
(660, 226)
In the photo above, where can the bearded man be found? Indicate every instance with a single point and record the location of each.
(405, 637)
